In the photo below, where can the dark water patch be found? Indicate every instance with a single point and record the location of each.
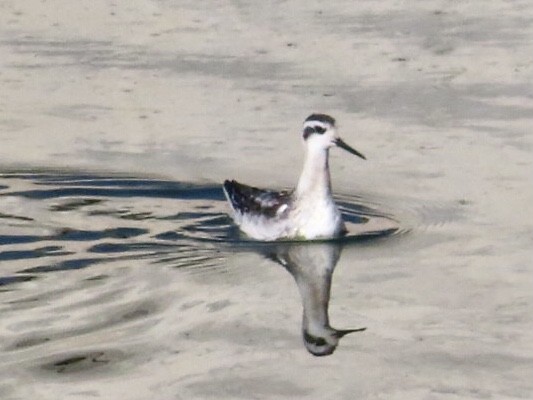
(203, 207)
(170, 235)
(132, 247)
(65, 265)
(116, 233)
(94, 189)
(48, 251)
(19, 239)
(15, 217)
(9, 280)
(82, 361)
(74, 204)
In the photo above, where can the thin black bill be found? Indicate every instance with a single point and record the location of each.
(342, 144)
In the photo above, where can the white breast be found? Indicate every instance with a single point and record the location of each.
(317, 219)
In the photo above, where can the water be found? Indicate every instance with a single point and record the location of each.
(108, 278)
(103, 273)
(121, 276)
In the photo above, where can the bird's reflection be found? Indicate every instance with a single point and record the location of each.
(312, 266)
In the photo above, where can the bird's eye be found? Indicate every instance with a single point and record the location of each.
(320, 129)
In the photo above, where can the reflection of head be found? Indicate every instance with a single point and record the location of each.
(320, 345)
(326, 342)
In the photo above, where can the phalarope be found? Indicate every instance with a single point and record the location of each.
(308, 212)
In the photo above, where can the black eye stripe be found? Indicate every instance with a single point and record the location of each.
(309, 130)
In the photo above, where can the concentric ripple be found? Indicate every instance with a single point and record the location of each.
(66, 221)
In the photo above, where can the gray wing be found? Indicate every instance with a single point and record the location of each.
(248, 199)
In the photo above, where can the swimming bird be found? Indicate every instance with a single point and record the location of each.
(309, 211)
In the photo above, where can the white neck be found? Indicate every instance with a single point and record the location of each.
(315, 179)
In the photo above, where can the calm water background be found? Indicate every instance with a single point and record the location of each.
(121, 275)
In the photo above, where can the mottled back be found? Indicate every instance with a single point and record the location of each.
(251, 200)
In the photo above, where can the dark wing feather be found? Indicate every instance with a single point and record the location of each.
(248, 199)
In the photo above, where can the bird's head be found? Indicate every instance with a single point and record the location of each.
(320, 133)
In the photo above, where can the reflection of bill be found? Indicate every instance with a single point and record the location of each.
(312, 265)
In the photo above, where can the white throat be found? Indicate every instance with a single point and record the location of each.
(315, 180)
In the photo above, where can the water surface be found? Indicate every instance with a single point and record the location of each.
(121, 275)
(96, 267)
